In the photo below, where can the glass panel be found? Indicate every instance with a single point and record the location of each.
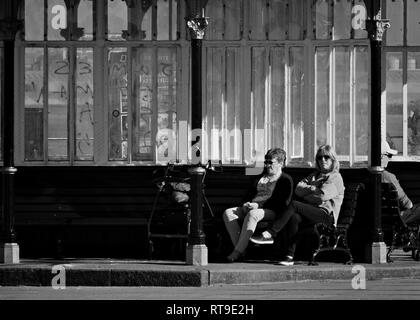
(84, 107)
(394, 12)
(166, 19)
(257, 20)
(297, 81)
(34, 104)
(413, 22)
(84, 20)
(342, 16)
(117, 19)
(117, 103)
(215, 99)
(342, 101)
(58, 103)
(166, 135)
(361, 101)
(394, 100)
(277, 64)
(323, 19)
(358, 22)
(258, 89)
(413, 98)
(34, 20)
(296, 19)
(143, 112)
(322, 95)
(57, 20)
(215, 29)
(140, 20)
(278, 20)
(233, 15)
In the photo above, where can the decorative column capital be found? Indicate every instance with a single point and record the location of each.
(197, 26)
(377, 26)
(9, 28)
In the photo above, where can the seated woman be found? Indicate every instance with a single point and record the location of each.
(271, 192)
(320, 197)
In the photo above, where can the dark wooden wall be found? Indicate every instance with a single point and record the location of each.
(102, 211)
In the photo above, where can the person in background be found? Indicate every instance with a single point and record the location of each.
(271, 192)
(319, 199)
(409, 212)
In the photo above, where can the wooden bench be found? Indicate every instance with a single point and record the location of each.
(397, 235)
(334, 239)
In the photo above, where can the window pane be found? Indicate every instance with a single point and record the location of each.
(215, 101)
(361, 97)
(296, 20)
(277, 64)
(57, 20)
(58, 103)
(140, 20)
(166, 98)
(359, 16)
(166, 19)
(34, 104)
(233, 18)
(257, 19)
(342, 16)
(297, 81)
(34, 20)
(413, 22)
(258, 90)
(143, 111)
(117, 19)
(342, 101)
(84, 108)
(322, 94)
(394, 12)
(413, 98)
(85, 20)
(117, 103)
(223, 104)
(394, 100)
(216, 27)
(323, 19)
(278, 20)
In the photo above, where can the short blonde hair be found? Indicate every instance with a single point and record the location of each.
(329, 151)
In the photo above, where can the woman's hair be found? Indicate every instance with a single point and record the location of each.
(277, 153)
(329, 151)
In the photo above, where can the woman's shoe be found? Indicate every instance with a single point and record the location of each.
(235, 256)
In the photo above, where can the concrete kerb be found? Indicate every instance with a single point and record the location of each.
(142, 274)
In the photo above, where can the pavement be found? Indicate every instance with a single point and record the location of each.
(125, 273)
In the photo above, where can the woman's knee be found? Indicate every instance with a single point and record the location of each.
(256, 215)
(229, 215)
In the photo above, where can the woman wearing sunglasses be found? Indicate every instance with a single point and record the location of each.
(319, 198)
(270, 193)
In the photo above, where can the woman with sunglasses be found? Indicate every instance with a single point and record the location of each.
(271, 192)
(319, 198)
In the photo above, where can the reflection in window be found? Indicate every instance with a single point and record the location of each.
(413, 98)
(322, 94)
(342, 16)
(84, 21)
(84, 108)
(413, 25)
(58, 103)
(34, 20)
(394, 100)
(323, 19)
(34, 104)
(117, 103)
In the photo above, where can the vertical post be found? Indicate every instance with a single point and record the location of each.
(196, 253)
(376, 27)
(9, 26)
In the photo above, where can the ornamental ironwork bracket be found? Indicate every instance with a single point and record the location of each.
(376, 27)
(197, 26)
